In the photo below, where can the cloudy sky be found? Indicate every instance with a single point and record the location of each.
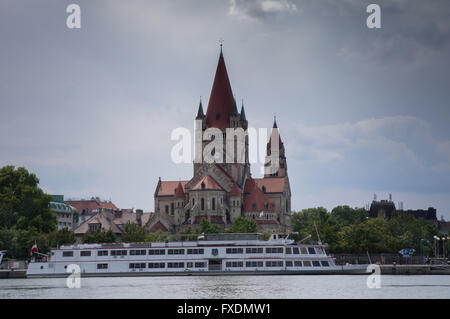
(361, 111)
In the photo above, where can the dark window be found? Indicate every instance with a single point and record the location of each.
(137, 252)
(156, 252)
(67, 254)
(85, 253)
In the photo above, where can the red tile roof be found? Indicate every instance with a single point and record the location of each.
(255, 200)
(167, 188)
(235, 191)
(180, 191)
(221, 101)
(271, 184)
(209, 183)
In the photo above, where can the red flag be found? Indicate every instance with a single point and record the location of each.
(33, 249)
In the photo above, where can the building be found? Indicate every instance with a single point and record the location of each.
(90, 207)
(113, 220)
(222, 192)
(66, 215)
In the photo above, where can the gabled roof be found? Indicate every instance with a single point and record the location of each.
(255, 200)
(209, 183)
(167, 188)
(272, 184)
(180, 191)
(221, 101)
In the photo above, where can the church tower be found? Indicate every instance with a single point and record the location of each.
(275, 165)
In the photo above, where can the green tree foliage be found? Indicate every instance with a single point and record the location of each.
(243, 225)
(133, 233)
(22, 203)
(99, 236)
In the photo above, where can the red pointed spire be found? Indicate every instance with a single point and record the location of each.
(179, 191)
(221, 100)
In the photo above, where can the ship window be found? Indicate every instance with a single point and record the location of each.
(175, 251)
(311, 251)
(102, 253)
(156, 252)
(136, 265)
(67, 254)
(307, 263)
(289, 250)
(235, 250)
(254, 250)
(175, 265)
(102, 266)
(118, 252)
(137, 252)
(298, 263)
(325, 263)
(200, 251)
(254, 264)
(85, 253)
(156, 265)
(234, 264)
(316, 263)
(274, 263)
(274, 250)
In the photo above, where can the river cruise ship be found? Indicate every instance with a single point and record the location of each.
(212, 254)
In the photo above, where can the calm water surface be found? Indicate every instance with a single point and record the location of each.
(233, 287)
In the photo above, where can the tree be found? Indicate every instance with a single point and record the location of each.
(244, 225)
(22, 203)
(133, 233)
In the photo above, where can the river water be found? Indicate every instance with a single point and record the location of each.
(232, 287)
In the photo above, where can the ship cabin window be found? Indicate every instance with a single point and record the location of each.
(156, 265)
(175, 265)
(311, 251)
(118, 252)
(67, 254)
(195, 251)
(289, 263)
(298, 263)
(288, 250)
(273, 263)
(307, 263)
(325, 263)
(156, 251)
(316, 263)
(85, 253)
(175, 251)
(137, 252)
(303, 251)
(234, 264)
(254, 264)
(254, 250)
(102, 266)
(137, 265)
(295, 250)
(102, 253)
(235, 250)
(274, 250)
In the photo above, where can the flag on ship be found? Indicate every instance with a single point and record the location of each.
(34, 248)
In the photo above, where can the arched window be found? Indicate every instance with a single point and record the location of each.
(203, 203)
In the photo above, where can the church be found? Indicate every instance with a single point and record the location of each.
(225, 190)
